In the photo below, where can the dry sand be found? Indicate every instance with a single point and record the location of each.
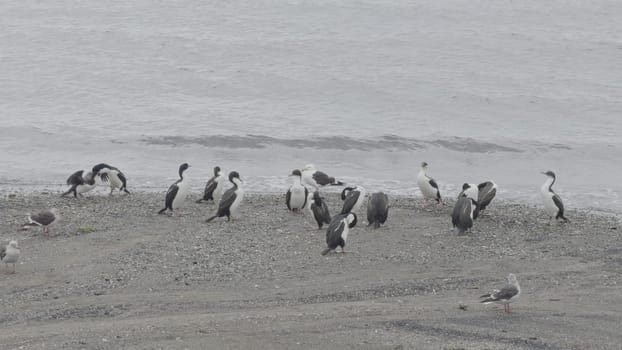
(114, 275)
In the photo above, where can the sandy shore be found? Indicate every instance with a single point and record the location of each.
(114, 275)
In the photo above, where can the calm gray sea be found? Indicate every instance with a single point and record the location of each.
(365, 90)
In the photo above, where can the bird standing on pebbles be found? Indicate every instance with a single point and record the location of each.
(112, 175)
(504, 295)
(352, 198)
(215, 187)
(318, 208)
(296, 196)
(10, 254)
(44, 219)
(315, 178)
(427, 186)
(377, 209)
(552, 202)
(231, 200)
(80, 183)
(177, 192)
(337, 232)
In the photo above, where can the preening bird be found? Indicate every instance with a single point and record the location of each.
(552, 202)
(504, 295)
(231, 200)
(112, 175)
(177, 192)
(316, 179)
(318, 208)
(215, 187)
(80, 183)
(377, 209)
(44, 218)
(296, 196)
(337, 232)
(427, 185)
(10, 254)
(353, 198)
(486, 193)
(462, 214)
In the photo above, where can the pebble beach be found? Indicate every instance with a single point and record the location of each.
(115, 275)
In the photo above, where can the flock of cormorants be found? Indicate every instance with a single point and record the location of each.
(303, 196)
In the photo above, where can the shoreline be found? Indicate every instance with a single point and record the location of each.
(113, 269)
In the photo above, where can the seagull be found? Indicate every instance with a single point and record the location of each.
(215, 187)
(337, 232)
(231, 200)
(112, 175)
(10, 254)
(44, 219)
(427, 185)
(352, 198)
(177, 192)
(316, 178)
(80, 183)
(377, 209)
(504, 295)
(296, 196)
(552, 202)
(317, 206)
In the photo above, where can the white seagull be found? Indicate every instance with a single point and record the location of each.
(10, 254)
(504, 295)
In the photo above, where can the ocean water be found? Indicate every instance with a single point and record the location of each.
(365, 90)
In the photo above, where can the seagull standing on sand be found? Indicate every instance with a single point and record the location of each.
(337, 232)
(315, 178)
(318, 208)
(231, 200)
(296, 196)
(177, 192)
(10, 254)
(44, 219)
(427, 185)
(353, 198)
(80, 183)
(215, 187)
(112, 175)
(377, 209)
(552, 202)
(504, 295)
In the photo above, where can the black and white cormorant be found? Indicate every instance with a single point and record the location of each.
(470, 191)
(231, 199)
(337, 232)
(318, 208)
(44, 218)
(353, 198)
(316, 179)
(177, 192)
(215, 187)
(504, 295)
(296, 196)
(80, 183)
(377, 209)
(462, 215)
(112, 175)
(427, 185)
(10, 254)
(486, 193)
(552, 202)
